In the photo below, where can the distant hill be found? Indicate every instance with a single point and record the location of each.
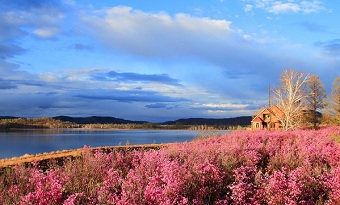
(242, 121)
(97, 120)
(7, 117)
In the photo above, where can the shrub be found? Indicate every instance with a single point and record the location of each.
(295, 167)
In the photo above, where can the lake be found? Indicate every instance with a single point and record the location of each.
(18, 142)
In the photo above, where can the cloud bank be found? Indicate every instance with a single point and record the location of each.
(146, 65)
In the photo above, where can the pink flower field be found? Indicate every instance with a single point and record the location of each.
(294, 167)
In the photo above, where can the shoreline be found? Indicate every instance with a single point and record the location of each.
(84, 128)
(8, 162)
(64, 153)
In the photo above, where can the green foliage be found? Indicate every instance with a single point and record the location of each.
(335, 137)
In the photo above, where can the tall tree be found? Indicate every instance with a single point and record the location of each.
(335, 104)
(289, 97)
(315, 99)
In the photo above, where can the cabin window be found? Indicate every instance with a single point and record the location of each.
(257, 125)
(266, 116)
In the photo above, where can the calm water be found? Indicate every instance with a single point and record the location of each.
(19, 142)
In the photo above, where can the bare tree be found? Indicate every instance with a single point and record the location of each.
(289, 97)
(335, 104)
(315, 99)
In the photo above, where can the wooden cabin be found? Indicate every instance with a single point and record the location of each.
(269, 119)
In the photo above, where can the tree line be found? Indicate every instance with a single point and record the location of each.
(304, 100)
(45, 123)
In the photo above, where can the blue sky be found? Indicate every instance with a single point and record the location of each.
(159, 60)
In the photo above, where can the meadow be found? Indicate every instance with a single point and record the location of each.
(262, 167)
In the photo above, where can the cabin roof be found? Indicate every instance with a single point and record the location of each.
(257, 119)
(277, 112)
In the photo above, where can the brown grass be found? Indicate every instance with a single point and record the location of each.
(70, 153)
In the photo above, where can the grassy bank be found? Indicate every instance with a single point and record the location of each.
(61, 155)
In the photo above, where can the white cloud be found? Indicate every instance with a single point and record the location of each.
(48, 32)
(311, 6)
(179, 38)
(42, 21)
(226, 56)
(154, 34)
(248, 8)
(287, 6)
(225, 105)
(279, 7)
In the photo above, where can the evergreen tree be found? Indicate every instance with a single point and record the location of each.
(335, 104)
(315, 99)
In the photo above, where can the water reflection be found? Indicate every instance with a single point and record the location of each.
(18, 142)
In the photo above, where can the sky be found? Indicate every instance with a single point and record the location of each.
(159, 60)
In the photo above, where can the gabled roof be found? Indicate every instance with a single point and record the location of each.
(257, 116)
(257, 119)
(277, 112)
